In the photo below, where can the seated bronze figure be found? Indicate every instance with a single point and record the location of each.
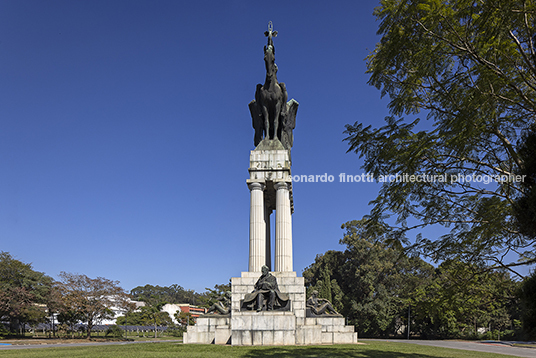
(266, 295)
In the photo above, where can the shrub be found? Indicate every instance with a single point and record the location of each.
(4, 332)
(114, 331)
(175, 332)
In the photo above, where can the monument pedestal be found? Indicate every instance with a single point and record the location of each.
(267, 328)
(209, 329)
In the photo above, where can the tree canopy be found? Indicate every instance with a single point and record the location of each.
(170, 294)
(525, 204)
(24, 293)
(370, 282)
(462, 297)
(376, 284)
(91, 298)
(469, 67)
(527, 294)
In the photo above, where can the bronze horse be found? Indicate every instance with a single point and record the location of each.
(271, 97)
(273, 117)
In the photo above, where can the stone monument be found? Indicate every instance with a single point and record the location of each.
(270, 308)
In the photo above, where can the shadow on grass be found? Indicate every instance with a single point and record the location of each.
(330, 351)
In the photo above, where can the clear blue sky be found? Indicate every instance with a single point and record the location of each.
(125, 133)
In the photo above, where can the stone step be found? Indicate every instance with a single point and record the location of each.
(339, 338)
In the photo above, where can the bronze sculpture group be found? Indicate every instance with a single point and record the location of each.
(272, 116)
(266, 295)
(320, 306)
(222, 306)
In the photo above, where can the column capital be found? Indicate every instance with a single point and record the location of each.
(281, 185)
(256, 186)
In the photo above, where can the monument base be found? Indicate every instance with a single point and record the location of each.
(213, 329)
(267, 328)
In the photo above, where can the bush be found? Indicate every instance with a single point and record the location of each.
(114, 331)
(175, 332)
(4, 332)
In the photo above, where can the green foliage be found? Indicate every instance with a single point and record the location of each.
(151, 315)
(525, 204)
(527, 294)
(212, 294)
(115, 331)
(24, 293)
(462, 297)
(69, 316)
(3, 331)
(148, 315)
(374, 283)
(370, 281)
(133, 319)
(470, 67)
(184, 318)
(176, 331)
(171, 294)
(91, 298)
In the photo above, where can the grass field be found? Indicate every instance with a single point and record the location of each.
(371, 349)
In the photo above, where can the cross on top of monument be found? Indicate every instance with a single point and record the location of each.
(270, 33)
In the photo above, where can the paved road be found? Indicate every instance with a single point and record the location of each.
(495, 347)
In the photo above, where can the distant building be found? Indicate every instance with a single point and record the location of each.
(171, 309)
(120, 312)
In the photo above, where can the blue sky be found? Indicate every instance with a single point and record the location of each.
(125, 133)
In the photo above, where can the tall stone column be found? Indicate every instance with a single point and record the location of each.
(257, 227)
(283, 228)
(268, 252)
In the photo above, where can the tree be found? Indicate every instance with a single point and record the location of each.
(151, 315)
(374, 283)
(525, 204)
(213, 294)
(172, 294)
(24, 293)
(146, 316)
(527, 294)
(93, 299)
(135, 318)
(184, 318)
(324, 276)
(371, 282)
(462, 297)
(470, 66)
(69, 317)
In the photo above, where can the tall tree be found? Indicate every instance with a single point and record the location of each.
(212, 295)
(24, 293)
(152, 316)
(470, 67)
(170, 294)
(525, 204)
(92, 298)
(371, 282)
(135, 318)
(184, 318)
(462, 297)
(527, 294)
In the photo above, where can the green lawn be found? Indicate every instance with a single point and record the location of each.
(371, 349)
